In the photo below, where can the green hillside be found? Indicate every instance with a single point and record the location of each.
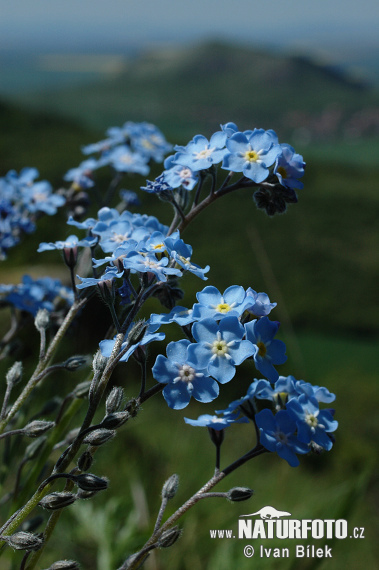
(192, 89)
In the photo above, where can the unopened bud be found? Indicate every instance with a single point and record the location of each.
(57, 500)
(132, 407)
(82, 389)
(115, 420)
(216, 435)
(42, 319)
(114, 400)
(107, 289)
(14, 374)
(75, 363)
(99, 436)
(65, 565)
(169, 537)
(99, 362)
(89, 482)
(24, 541)
(37, 428)
(70, 256)
(239, 494)
(170, 488)
(85, 461)
(137, 332)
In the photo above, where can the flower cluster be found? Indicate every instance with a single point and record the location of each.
(273, 167)
(34, 294)
(126, 149)
(22, 199)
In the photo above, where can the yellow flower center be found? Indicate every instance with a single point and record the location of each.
(262, 348)
(223, 308)
(282, 171)
(251, 156)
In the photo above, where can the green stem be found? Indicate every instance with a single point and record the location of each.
(77, 305)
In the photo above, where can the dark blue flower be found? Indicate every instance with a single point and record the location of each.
(313, 424)
(269, 351)
(278, 434)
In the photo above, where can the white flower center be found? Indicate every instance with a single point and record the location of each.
(220, 347)
(205, 153)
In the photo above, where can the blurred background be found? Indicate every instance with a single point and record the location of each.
(308, 70)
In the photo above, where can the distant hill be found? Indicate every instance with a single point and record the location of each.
(190, 90)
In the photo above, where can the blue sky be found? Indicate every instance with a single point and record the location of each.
(55, 25)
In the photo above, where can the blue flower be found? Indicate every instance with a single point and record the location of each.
(219, 347)
(213, 304)
(289, 167)
(278, 434)
(178, 175)
(312, 423)
(108, 276)
(34, 294)
(214, 422)
(180, 315)
(269, 351)
(319, 393)
(181, 253)
(70, 243)
(124, 160)
(200, 153)
(39, 197)
(252, 154)
(158, 186)
(258, 304)
(148, 140)
(148, 263)
(182, 379)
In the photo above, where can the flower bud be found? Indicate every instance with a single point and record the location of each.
(170, 487)
(24, 541)
(85, 461)
(169, 537)
(14, 374)
(89, 482)
(114, 400)
(107, 289)
(70, 256)
(42, 319)
(65, 565)
(132, 407)
(82, 389)
(239, 494)
(115, 420)
(57, 500)
(75, 363)
(99, 362)
(137, 332)
(37, 428)
(99, 436)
